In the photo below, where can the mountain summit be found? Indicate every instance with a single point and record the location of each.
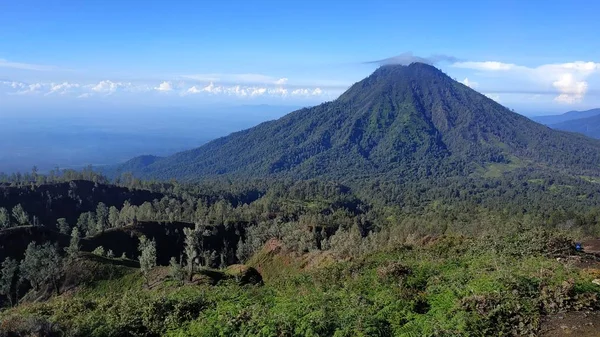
(400, 122)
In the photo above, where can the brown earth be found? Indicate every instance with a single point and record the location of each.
(582, 323)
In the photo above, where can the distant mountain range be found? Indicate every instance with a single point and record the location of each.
(587, 126)
(567, 116)
(401, 123)
(584, 122)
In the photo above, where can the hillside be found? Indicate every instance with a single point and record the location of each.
(567, 116)
(400, 122)
(587, 126)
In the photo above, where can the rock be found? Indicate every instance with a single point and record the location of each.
(244, 274)
(596, 281)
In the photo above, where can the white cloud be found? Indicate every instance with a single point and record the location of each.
(235, 79)
(469, 83)
(307, 92)
(34, 88)
(278, 91)
(194, 90)
(108, 87)
(258, 91)
(571, 90)
(164, 87)
(25, 66)
(568, 80)
(62, 88)
(487, 65)
(495, 97)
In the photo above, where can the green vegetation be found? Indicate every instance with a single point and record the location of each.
(451, 286)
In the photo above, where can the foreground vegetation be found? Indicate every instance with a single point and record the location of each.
(444, 286)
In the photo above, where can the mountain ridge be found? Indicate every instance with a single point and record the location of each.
(589, 126)
(565, 117)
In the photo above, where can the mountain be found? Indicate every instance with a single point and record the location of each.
(588, 126)
(567, 116)
(401, 122)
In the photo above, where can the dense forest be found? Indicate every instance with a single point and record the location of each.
(140, 256)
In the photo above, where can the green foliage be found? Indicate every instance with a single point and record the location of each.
(176, 271)
(41, 264)
(62, 226)
(20, 216)
(73, 249)
(190, 250)
(8, 278)
(469, 291)
(99, 251)
(147, 249)
(5, 221)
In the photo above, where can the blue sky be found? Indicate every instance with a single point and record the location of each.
(534, 56)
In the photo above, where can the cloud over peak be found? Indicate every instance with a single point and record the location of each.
(407, 58)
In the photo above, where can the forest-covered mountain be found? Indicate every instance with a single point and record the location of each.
(567, 116)
(402, 122)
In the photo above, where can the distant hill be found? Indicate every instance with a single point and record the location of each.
(587, 126)
(400, 123)
(567, 116)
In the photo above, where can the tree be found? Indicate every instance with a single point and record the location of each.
(113, 217)
(20, 216)
(7, 279)
(4, 218)
(147, 249)
(41, 264)
(73, 249)
(101, 217)
(190, 250)
(63, 226)
(98, 251)
(175, 270)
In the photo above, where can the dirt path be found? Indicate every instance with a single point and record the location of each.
(582, 323)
